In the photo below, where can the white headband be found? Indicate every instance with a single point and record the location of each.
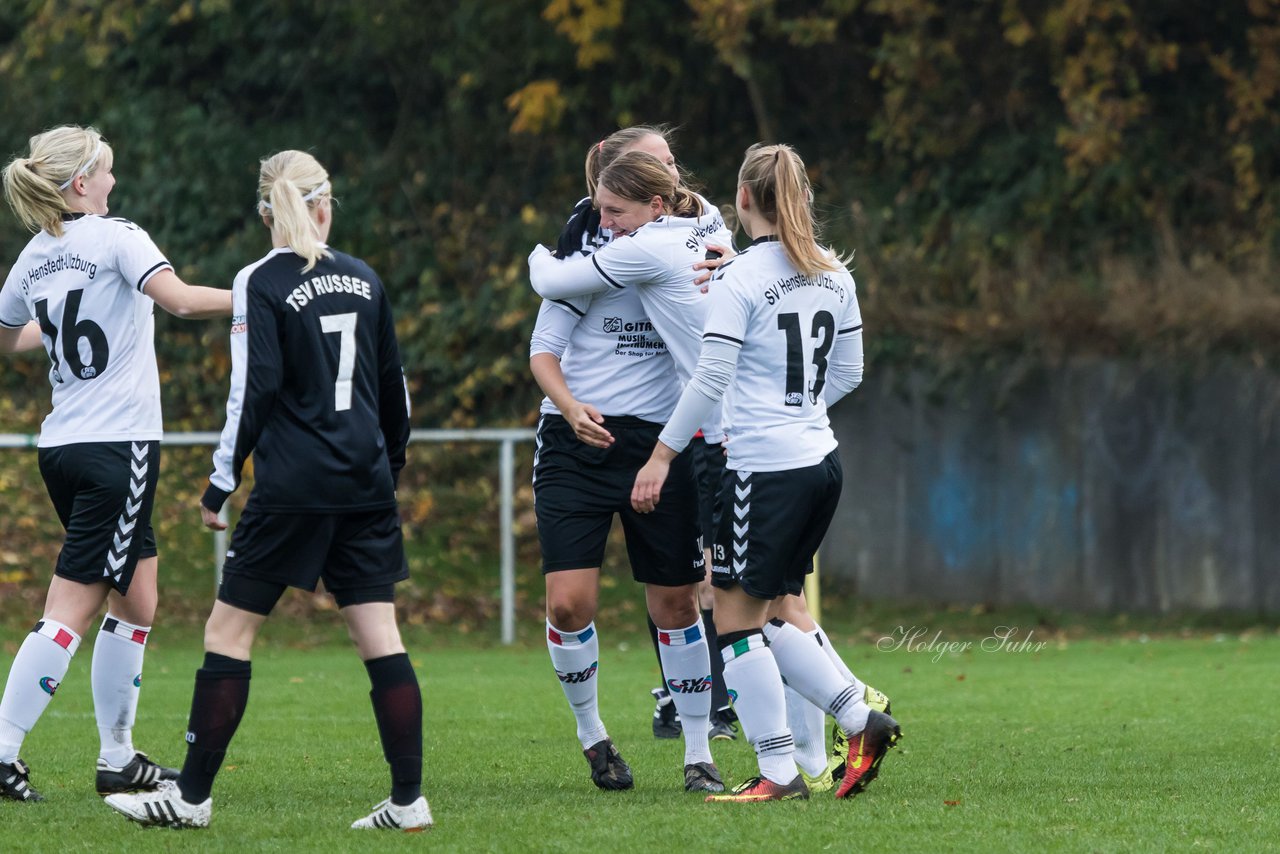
(83, 169)
(323, 188)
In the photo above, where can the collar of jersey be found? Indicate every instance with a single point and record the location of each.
(765, 238)
(70, 216)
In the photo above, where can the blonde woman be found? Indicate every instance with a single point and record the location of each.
(318, 397)
(783, 341)
(84, 287)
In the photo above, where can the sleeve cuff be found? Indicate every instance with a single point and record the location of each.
(214, 498)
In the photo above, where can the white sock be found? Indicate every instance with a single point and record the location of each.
(811, 673)
(825, 642)
(576, 658)
(117, 678)
(808, 727)
(37, 670)
(751, 672)
(686, 665)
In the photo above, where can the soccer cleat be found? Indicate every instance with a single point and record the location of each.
(414, 818)
(764, 789)
(879, 702)
(666, 721)
(15, 782)
(702, 777)
(821, 783)
(723, 725)
(866, 749)
(141, 774)
(608, 769)
(163, 807)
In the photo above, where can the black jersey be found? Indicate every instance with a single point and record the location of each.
(317, 389)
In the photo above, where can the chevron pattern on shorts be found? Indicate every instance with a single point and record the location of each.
(741, 522)
(127, 523)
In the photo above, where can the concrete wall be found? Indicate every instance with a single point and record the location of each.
(1098, 485)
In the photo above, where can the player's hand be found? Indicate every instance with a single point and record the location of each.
(211, 520)
(710, 265)
(585, 420)
(648, 486)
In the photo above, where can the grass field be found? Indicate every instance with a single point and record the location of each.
(1109, 744)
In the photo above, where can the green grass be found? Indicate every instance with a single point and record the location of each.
(1110, 744)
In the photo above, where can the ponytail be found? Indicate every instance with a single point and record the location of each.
(34, 185)
(290, 183)
(780, 189)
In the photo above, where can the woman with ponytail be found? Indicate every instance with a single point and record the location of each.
(84, 287)
(610, 384)
(783, 341)
(318, 397)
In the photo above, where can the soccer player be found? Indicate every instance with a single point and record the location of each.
(783, 340)
(85, 286)
(318, 396)
(610, 384)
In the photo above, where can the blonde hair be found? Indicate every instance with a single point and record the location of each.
(33, 185)
(290, 183)
(604, 152)
(780, 190)
(638, 176)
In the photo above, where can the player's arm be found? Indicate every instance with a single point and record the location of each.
(20, 339)
(717, 363)
(190, 302)
(393, 391)
(846, 361)
(553, 278)
(546, 348)
(256, 375)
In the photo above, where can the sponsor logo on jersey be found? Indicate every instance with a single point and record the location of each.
(689, 686)
(794, 398)
(49, 685)
(613, 324)
(238, 324)
(88, 372)
(580, 676)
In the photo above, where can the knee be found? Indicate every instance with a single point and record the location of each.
(225, 639)
(569, 615)
(675, 609)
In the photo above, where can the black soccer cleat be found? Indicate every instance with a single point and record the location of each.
(702, 777)
(724, 725)
(15, 783)
(140, 775)
(666, 721)
(609, 770)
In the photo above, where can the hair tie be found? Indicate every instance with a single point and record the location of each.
(83, 169)
(322, 188)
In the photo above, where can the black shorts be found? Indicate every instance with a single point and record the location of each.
(360, 556)
(103, 493)
(578, 488)
(772, 526)
(708, 468)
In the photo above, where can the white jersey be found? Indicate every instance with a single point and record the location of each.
(786, 325)
(610, 355)
(85, 289)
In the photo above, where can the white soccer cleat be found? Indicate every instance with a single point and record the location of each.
(414, 818)
(162, 808)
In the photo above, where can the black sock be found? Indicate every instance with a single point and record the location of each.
(653, 636)
(397, 707)
(217, 705)
(719, 693)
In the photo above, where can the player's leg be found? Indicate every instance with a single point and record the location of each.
(708, 467)
(665, 551)
(397, 708)
(37, 671)
(574, 496)
(812, 493)
(365, 562)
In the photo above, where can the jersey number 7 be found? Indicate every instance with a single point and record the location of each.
(345, 326)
